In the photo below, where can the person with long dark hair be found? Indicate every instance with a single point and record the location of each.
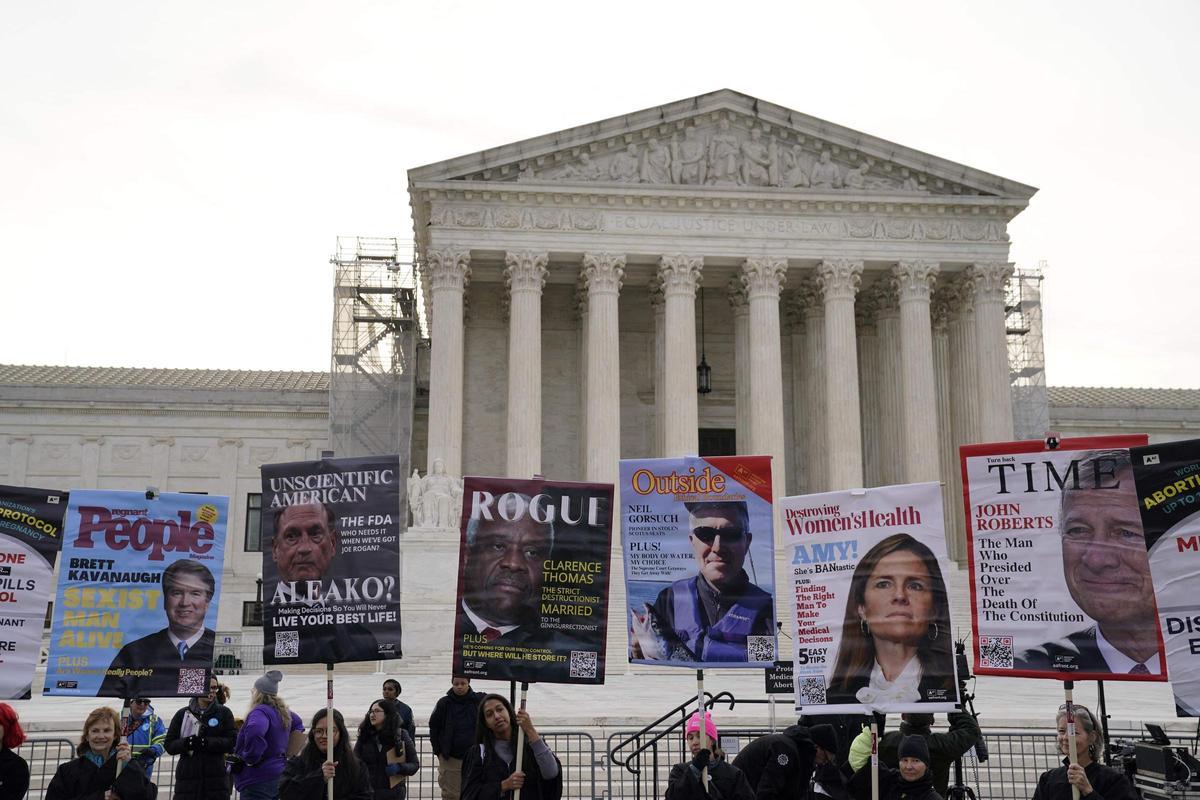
(489, 770)
(14, 772)
(896, 640)
(382, 731)
(726, 781)
(201, 733)
(102, 770)
(1094, 780)
(305, 777)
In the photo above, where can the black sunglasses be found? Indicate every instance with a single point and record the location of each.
(728, 535)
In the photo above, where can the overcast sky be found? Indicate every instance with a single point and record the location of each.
(173, 176)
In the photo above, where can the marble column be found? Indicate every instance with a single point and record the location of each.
(448, 271)
(891, 383)
(991, 348)
(741, 362)
(525, 275)
(89, 461)
(964, 396)
(763, 278)
(680, 276)
(18, 459)
(838, 280)
(812, 394)
(658, 306)
(794, 322)
(914, 283)
(868, 387)
(229, 450)
(581, 312)
(602, 274)
(940, 310)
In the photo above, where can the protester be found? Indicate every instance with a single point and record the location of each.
(94, 774)
(828, 780)
(14, 772)
(912, 781)
(1095, 781)
(262, 742)
(307, 775)
(778, 765)
(391, 691)
(379, 733)
(201, 733)
(488, 769)
(944, 748)
(145, 732)
(452, 733)
(725, 780)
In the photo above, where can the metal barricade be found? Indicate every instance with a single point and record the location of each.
(43, 757)
(576, 750)
(234, 659)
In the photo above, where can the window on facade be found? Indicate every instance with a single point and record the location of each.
(49, 613)
(718, 442)
(254, 523)
(252, 614)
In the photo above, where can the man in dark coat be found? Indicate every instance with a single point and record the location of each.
(828, 780)
(778, 765)
(201, 733)
(944, 748)
(452, 733)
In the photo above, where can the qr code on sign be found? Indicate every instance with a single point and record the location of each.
(287, 644)
(811, 692)
(996, 652)
(583, 664)
(193, 680)
(760, 648)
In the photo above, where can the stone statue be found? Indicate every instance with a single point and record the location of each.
(825, 173)
(527, 173)
(624, 166)
(656, 163)
(414, 496)
(793, 168)
(585, 170)
(723, 152)
(687, 159)
(856, 176)
(757, 164)
(911, 184)
(439, 496)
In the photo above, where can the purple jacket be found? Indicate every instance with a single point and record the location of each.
(262, 744)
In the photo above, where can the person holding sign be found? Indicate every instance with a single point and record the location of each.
(307, 775)
(201, 733)
(98, 771)
(489, 770)
(912, 781)
(896, 644)
(1094, 781)
(727, 781)
(386, 750)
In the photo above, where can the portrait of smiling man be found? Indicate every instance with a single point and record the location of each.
(1107, 571)
(708, 616)
(188, 587)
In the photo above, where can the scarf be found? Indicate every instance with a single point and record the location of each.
(902, 690)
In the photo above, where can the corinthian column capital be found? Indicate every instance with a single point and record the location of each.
(525, 270)
(764, 276)
(913, 280)
(839, 278)
(736, 292)
(942, 307)
(448, 268)
(988, 279)
(680, 274)
(807, 298)
(603, 272)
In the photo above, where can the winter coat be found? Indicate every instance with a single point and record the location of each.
(262, 744)
(726, 782)
(145, 736)
(81, 779)
(778, 765)
(452, 724)
(372, 749)
(302, 780)
(14, 774)
(482, 773)
(892, 786)
(944, 748)
(1107, 784)
(200, 770)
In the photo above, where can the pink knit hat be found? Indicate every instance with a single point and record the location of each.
(710, 728)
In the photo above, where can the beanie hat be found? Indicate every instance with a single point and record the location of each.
(824, 737)
(269, 683)
(710, 728)
(915, 747)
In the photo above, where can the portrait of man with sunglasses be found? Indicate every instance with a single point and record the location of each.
(707, 617)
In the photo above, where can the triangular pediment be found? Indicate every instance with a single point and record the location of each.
(723, 140)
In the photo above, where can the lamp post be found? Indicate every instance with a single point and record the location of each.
(703, 370)
(258, 597)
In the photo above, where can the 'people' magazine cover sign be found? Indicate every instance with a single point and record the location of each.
(533, 580)
(699, 544)
(1168, 484)
(871, 614)
(135, 614)
(1060, 580)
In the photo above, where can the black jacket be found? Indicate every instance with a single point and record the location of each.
(200, 769)
(14, 774)
(80, 779)
(1075, 653)
(407, 721)
(452, 724)
(1107, 784)
(482, 774)
(372, 749)
(832, 780)
(157, 652)
(943, 747)
(726, 782)
(778, 765)
(303, 780)
(892, 786)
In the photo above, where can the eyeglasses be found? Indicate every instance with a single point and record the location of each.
(319, 733)
(728, 535)
(143, 700)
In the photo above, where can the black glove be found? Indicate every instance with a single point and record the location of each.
(701, 759)
(146, 757)
(193, 744)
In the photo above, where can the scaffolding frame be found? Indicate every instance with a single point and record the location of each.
(1026, 353)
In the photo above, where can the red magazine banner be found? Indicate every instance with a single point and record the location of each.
(1060, 581)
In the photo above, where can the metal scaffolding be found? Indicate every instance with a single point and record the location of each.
(375, 333)
(1026, 355)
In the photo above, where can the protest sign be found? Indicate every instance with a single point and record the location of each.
(1060, 579)
(533, 580)
(871, 613)
(30, 538)
(331, 560)
(137, 596)
(1168, 487)
(699, 544)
